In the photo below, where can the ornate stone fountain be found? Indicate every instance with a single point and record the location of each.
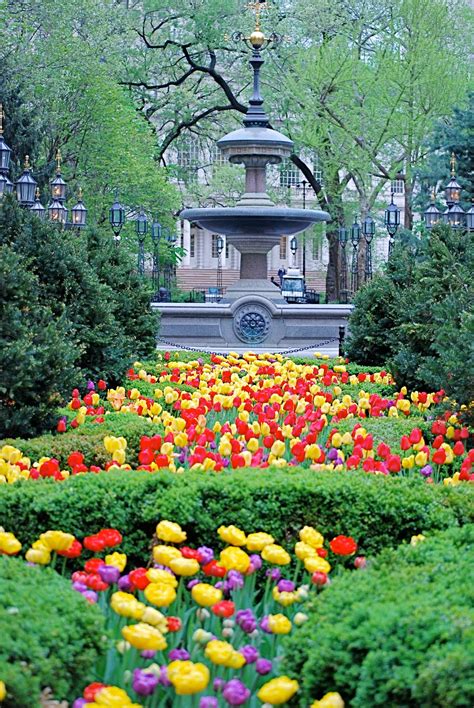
(253, 312)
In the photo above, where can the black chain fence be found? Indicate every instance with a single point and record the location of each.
(339, 339)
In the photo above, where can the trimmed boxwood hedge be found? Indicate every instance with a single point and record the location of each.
(399, 633)
(50, 637)
(377, 511)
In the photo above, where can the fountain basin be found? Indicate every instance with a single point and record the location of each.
(256, 222)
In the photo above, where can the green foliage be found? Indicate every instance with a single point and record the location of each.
(418, 316)
(378, 512)
(394, 634)
(70, 314)
(51, 637)
(34, 352)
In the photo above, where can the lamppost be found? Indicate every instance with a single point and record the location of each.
(6, 187)
(219, 249)
(78, 213)
(170, 237)
(116, 218)
(155, 237)
(343, 238)
(470, 218)
(57, 212)
(37, 208)
(141, 226)
(26, 186)
(304, 185)
(454, 216)
(368, 228)
(432, 214)
(293, 249)
(355, 238)
(392, 222)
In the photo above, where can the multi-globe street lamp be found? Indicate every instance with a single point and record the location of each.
(219, 250)
(116, 218)
(343, 237)
(368, 229)
(355, 240)
(392, 222)
(141, 226)
(156, 237)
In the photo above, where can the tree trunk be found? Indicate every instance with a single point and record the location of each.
(336, 210)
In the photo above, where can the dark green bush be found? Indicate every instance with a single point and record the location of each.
(417, 317)
(50, 636)
(378, 512)
(400, 633)
(36, 360)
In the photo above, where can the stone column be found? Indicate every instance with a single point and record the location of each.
(186, 243)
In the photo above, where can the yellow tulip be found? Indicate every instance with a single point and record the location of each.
(184, 566)
(157, 575)
(57, 540)
(232, 535)
(233, 558)
(205, 594)
(278, 690)
(163, 555)
(170, 532)
(3, 691)
(278, 448)
(112, 697)
(258, 541)
(279, 624)
(118, 560)
(303, 550)
(187, 677)
(315, 564)
(311, 537)
(160, 594)
(38, 555)
(9, 544)
(143, 636)
(127, 605)
(329, 700)
(276, 554)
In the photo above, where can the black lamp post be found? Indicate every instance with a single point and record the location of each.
(368, 228)
(169, 268)
(155, 237)
(355, 238)
(304, 185)
(470, 218)
(453, 189)
(432, 214)
(37, 208)
(392, 222)
(455, 216)
(293, 249)
(219, 249)
(141, 226)
(78, 213)
(116, 218)
(57, 212)
(26, 186)
(343, 237)
(6, 187)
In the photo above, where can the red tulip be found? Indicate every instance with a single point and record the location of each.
(343, 545)
(319, 578)
(224, 608)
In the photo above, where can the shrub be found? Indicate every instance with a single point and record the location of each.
(395, 634)
(378, 512)
(35, 357)
(51, 637)
(416, 317)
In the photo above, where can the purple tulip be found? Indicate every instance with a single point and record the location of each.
(235, 580)
(109, 574)
(124, 583)
(332, 454)
(90, 595)
(218, 684)
(226, 462)
(255, 562)
(144, 683)
(178, 655)
(249, 653)
(285, 585)
(79, 703)
(426, 471)
(164, 680)
(264, 625)
(208, 702)
(148, 653)
(274, 574)
(192, 583)
(246, 620)
(90, 385)
(182, 457)
(236, 693)
(80, 587)
(263, 666)
(206, 554)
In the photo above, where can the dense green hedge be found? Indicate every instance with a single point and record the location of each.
(378, 512)
(400, 633)
(50, 636)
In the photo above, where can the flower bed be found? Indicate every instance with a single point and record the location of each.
(250, 412)
(195, 620)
